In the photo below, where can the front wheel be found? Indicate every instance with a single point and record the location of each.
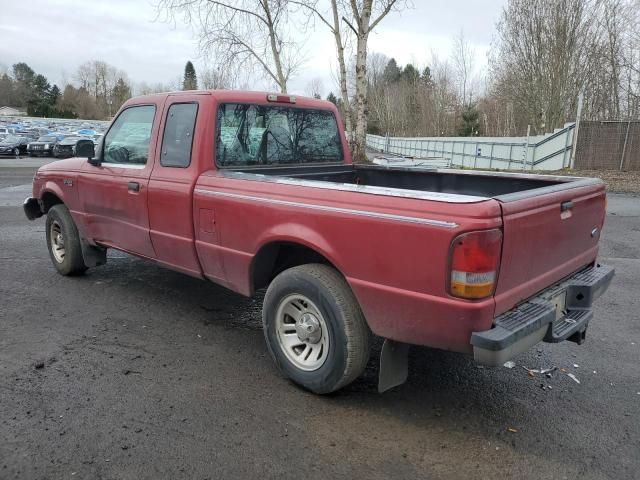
(63, 242)
(314, 328)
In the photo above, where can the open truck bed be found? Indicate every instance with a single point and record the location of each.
(416, 183)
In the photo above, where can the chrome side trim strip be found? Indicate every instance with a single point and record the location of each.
(135, 166)
(349, 187)
(325, 208)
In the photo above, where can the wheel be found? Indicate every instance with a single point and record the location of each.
(63, 242)
(16, 152)
(314, 328)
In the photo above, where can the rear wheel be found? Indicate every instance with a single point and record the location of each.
(16, 152)
(315, 329)
(63, 242)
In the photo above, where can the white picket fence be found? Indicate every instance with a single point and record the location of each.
(537, 152)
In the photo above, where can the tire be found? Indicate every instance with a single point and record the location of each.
(62, 232)
(16, 152)
(341, 355)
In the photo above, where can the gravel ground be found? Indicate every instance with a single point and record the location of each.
(134, 372)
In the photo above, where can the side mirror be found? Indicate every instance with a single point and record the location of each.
(86, 149)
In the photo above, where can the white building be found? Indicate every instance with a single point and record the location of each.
(11, 112)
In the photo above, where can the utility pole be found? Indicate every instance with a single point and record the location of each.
(575, 131)
(525, 153)
(624, 148)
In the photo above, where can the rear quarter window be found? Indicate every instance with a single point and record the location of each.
(250, 134)
(177, 140)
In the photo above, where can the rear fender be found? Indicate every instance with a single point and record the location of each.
(301, 235)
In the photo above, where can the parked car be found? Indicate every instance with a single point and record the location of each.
(13, 145)
(482, 263)
(67, 146)
(43, 146)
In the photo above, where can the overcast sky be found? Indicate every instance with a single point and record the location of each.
(55, 36)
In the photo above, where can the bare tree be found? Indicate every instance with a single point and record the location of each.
(252, 33)
(332, 22)
(98, 78)
(364, 17)
(215, 79)
(546, 54)
(463, 60)
(315, 88)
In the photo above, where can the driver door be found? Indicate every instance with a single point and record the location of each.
(114, 194)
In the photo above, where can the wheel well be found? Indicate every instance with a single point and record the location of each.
(276, 257)
(49, 200)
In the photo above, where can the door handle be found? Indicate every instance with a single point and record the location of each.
(564, 206)
(134, 186)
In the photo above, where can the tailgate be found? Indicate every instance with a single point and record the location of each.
(549, 233)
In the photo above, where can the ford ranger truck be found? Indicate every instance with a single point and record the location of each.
(257, 191)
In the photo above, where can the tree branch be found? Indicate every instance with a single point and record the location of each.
(350, 26)
(239, 10)
(314, 10)
(382, 15)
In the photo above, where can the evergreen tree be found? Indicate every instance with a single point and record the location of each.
(332, 98)
(23, 76)
(391, 72)
(120, 94)
(470, 122)
(190, 81)
(426, 77)
(410, 74)
(38, 104)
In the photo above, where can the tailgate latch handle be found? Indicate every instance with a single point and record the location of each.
(564, 206)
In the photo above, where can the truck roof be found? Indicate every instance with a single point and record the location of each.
(237, 96)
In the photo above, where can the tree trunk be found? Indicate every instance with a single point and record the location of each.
(359, 144)
(343, 69)
(282, 80)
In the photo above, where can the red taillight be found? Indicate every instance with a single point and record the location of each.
(475, 259)
(272, 97)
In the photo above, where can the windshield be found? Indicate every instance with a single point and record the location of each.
(11, 139)
(47, 138)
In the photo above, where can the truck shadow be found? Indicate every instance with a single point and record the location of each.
(448, 398)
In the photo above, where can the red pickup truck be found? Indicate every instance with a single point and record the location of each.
(253, 190)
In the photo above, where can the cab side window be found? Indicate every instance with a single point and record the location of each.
(177, 140)
(127, 141)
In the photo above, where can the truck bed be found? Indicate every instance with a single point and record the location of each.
(484, 184)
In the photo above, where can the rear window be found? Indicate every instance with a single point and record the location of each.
(270, 135)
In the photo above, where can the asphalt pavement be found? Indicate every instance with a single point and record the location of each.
(132, 371)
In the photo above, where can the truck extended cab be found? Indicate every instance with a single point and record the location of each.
(253, 190)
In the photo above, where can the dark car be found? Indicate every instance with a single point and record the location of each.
(43, 146)
(67, 146)
(13, 145)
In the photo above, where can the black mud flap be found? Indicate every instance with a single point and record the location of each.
(93, 256)
(394, 365)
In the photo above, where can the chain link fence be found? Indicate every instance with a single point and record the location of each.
(610, 145)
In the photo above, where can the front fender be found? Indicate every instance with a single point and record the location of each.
(51, 186)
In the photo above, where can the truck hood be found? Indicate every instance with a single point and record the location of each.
(68, 164)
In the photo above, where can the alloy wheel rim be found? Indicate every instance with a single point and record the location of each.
(57, 242)
(302, 332)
